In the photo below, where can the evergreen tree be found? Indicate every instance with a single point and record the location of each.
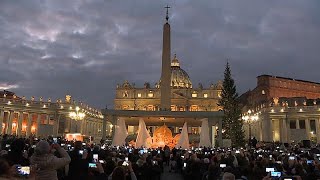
(231, 122)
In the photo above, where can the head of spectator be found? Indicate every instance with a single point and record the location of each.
(42, 148)
(119, 173)
(228, 176)
(6, 171)
(78, 145)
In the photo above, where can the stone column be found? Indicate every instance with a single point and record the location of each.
(283, 131)
(29, 124)
(288, 129)
(56, 125)
(104, 127)
(220, 132)
(38, 125)
(9, 129)
(267, 128)
(308, 129)
(83, 126)
(67, 124)
(318, 129)
(1, 120)
(19, 126)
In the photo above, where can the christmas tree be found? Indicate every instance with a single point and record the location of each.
(231, 122)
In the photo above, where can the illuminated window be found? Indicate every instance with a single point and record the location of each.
(263, 92)
(205, 95)
(173, 108)
(219, 94)
(194, 95)
(139, 94)
(194, 108)
(150, 94)
(150, 108)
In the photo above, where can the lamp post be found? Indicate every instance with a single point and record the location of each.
(77, 116)
(250, 118)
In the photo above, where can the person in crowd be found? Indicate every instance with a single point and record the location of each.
(121, 172)
(6, 171)
(17, 153)
(228, 176)
(78, 167)
(46, 163)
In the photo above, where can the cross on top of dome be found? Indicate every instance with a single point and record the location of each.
(175, 61)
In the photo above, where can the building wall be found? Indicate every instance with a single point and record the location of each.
(182, 99)
(269, 87)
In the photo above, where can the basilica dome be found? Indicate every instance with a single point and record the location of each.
(179, 77)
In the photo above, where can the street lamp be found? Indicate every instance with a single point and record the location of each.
(77, 115)
(249, 119)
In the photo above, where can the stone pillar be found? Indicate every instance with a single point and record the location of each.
(267, 128)
(288, 129)
(56, 125)
(297, 124)
(104, 127)
(1, 120)
(82, 126)
(38, 125)
(283, 131)
(19, 126)
(318, 129)
(29, 124)
(67, 124)
(220, 132)
(308, 129)
(9, 129)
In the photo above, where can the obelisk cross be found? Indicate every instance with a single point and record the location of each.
(167, 17)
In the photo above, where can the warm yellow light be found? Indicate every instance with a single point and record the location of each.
(205, 95)
(44, 106)
(77, 108)
(61, 107)
(14, 124)
(9, 102)
(27, 104)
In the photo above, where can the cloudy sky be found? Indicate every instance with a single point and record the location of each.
(51, 48)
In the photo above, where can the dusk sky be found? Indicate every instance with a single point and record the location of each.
(51, 48)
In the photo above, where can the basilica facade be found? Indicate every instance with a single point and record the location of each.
(184, 96)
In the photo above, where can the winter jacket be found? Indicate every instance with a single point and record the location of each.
(48, 164)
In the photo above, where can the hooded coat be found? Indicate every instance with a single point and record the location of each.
(47, 164)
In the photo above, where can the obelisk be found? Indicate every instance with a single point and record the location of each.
(165, 89)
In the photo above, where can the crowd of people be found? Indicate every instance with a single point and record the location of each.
(56, 158)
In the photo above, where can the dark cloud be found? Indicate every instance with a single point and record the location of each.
(84, 48)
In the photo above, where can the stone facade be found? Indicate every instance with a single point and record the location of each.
(269, 87)
(287, 109)
(38, 117)
(147, 98)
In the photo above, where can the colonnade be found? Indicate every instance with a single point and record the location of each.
(22, 123)
(277, 129)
